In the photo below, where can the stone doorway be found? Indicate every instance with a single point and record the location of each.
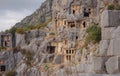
(51, 49)
(87, 12)
(2, 68)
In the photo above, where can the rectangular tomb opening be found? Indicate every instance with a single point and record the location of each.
(2, 68)
(51, 49)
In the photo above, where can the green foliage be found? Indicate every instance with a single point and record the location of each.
(52, 33)
(11, 73)
(73, 63)
(7, 31)
(43, 25)
(111, 7)
(94, 34)
(37, 27)
(114, 7)
(46, 67)
(117, 7)
(1, 48)
(23, 29)
(12, 30)
(28, 27)
(20, 30)
(81, 50)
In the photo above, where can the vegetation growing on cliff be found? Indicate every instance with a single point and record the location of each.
(12, 30)
(113, 7)
(29, 56)
(1, 48)
(21, 30)
(94, 34)
(42, 25)
(11, 73)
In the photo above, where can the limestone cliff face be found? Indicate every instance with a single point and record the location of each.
(40, 15)
(60, 48)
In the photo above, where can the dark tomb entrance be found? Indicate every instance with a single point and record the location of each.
(51, 49)
(86, 13)
(84, 24)
(2, 68)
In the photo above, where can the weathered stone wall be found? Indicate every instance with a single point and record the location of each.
(10, 60)
(109, 46)
(99, 59)
(26, 38)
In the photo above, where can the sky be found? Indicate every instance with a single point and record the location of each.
(13, 11)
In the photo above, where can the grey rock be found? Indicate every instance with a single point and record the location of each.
(58, 59)
(116, 33)
(78, 56)
(81, 67)
(110, 18)
(112, 65)
(107, 33)
(84, 54)
(114, 48)
(8, 60)
(33, 72)
(42, 14)
(29, 35)
(18, 57)
(61, 72)
(98, 64)
(20, 39)
(103, 47)
(21, 70)
(110, 51)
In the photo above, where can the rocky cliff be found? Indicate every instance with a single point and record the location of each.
(41, 15)
(81, 40)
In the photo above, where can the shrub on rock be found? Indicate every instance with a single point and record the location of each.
(94, 34)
